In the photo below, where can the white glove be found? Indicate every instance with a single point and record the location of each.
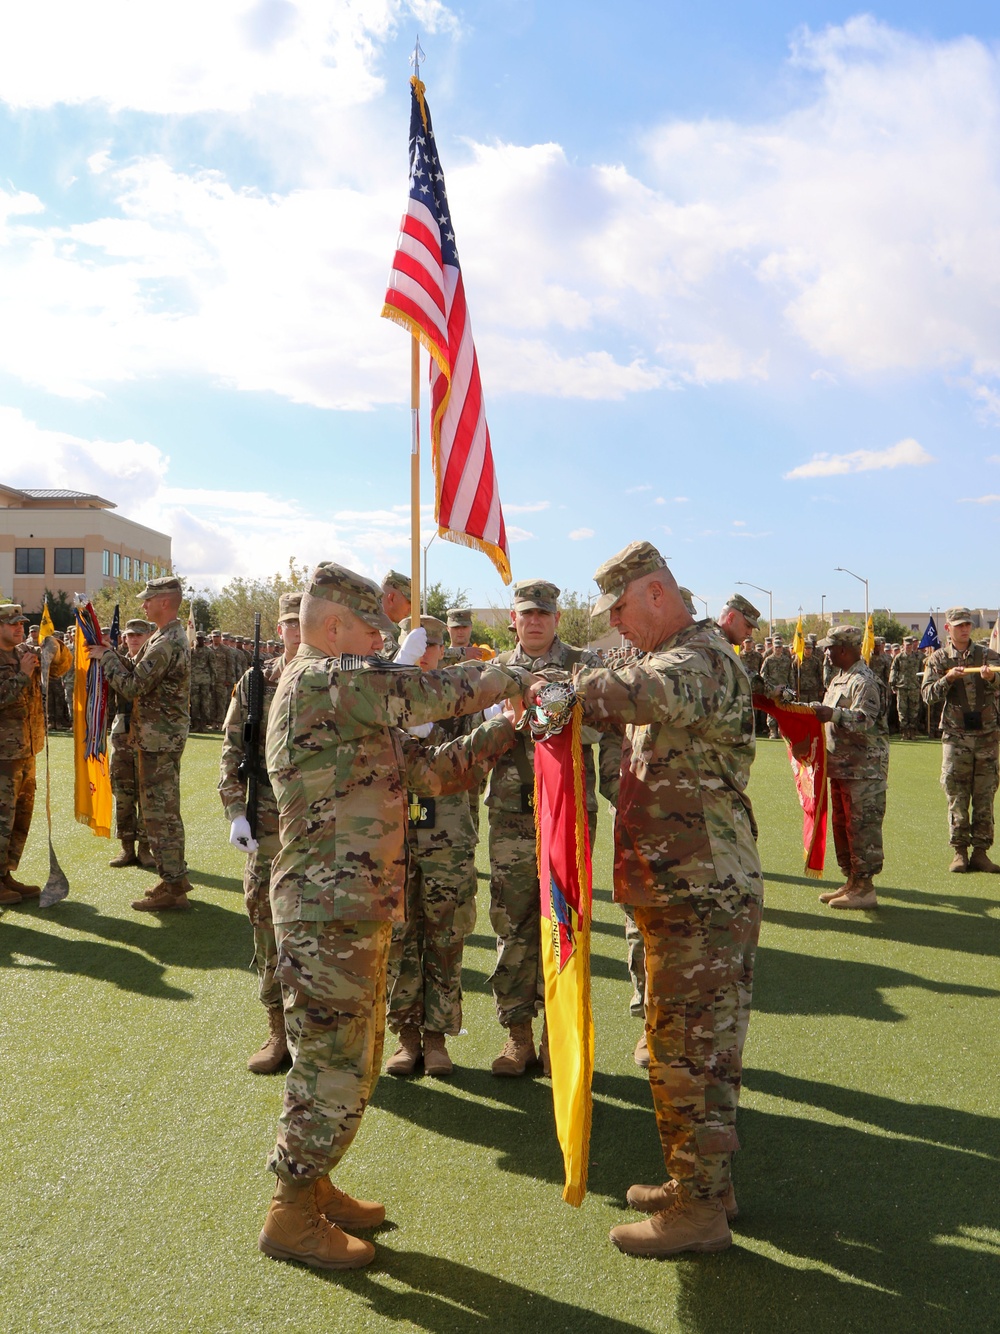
(421, 730)
(413, 647)
(240, 835)
(494, 711)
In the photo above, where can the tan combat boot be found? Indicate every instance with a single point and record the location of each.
(274, 1052)
(861, 896)
(686, 1225)
(127, 855)
(641, 1053)
(518, 1051)
(145, 856)
(979, 861)
(653, 1199)
(960, 861)
(436, 1058)
(832, 894)
(165, 896)
(344, 1210)
(25, 891)
(403, 1060)
(8, 895)
(294, 1229)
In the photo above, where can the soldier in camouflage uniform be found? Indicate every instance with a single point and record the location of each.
(22, 736)
(515, 912)
(857, 761)
(738, 620)
(879, 665)
(970, 744)
(340, 769)
(905, 676)
(261, 843)
(461, 649)
(202, 660)
(778, 678)
(686, 860)
(123, 769)
(159, 685)
(396, 599)
(220, 675)
(809, 687)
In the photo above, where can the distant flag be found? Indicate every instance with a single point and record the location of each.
(115, 628)
(994, 643)
(45, 627)
(426, 295)
(192, 629)
(868, 642)
(798, 641)
(930, 636)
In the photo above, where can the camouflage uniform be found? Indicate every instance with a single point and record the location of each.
(969, 753)
(857, 762)
(222, 687)
(340, 769)
(880, 665)
(686, 861)
(905, 676)
(202, 677)
(123, 771)
(777, 675)
(809, 677)
(158, 685)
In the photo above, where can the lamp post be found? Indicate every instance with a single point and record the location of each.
(701, 599)
(822, 610)
(770, 602)
(841, 570)
(424, 589)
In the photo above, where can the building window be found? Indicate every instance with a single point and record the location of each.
(116, 564)
(105, 562)
(29, 560)
(145, 569)
(68, 560)
(126, 567)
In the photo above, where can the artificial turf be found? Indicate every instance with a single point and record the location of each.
(134, 1138)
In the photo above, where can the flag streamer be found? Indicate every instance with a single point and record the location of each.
(92, 785)
(806, 741)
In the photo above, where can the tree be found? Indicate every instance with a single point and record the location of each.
(438, 599)
(576, 625)
(888, 628)
(233, 608)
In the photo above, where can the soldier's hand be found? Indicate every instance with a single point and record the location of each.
(28, 663)
(96, 651)
(240, 835)
(823, 712)
(413, 647)
(513, 710)
(533, 689)
(987, 672)
(955, 674)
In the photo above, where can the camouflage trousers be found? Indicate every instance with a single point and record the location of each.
(17, 803)
(909, 709)
(636, 959)
(202, 705)
(256, 884)
(332, 977)
(969, 776)
(124, 774)
(221, 695)
(160, 803)
(858, 809)
(695, 966)
(515, 913)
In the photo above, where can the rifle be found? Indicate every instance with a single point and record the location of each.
(249, 765)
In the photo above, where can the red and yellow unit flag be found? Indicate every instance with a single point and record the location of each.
(806, 741)
(92, 776)
(426, 295)
(564, 878)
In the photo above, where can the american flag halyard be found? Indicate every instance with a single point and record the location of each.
(426, 295)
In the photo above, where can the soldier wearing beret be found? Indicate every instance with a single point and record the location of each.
(123, 768)
(22, 736)
(158, 684)
(970, 738)
(857, 761)
(260, 845)
(905, 676)
(686, 860)
(341, 767)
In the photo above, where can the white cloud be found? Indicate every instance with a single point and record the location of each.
(530, 507)
(634, 490)
(682, 500)
(580, 534)
(979, 500)
(904, 454)
(515, 534)
(739, 523)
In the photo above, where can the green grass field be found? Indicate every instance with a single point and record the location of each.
(134, 1139)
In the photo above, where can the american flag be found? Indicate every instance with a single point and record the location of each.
(427, 296)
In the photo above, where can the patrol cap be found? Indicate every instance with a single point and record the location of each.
(288, 607)
(688, 599)
(535, 594)
(615, 575)
(335, 583)
(843, 636)
(435, 628)
(459, 616)
(11, 614)
(167, 583)
(811, 641)
(908, 639)
(139, 627)
(959, 616)
(745, 608)
(399, 582)
(777, 639)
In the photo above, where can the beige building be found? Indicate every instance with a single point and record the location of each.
(70, 541)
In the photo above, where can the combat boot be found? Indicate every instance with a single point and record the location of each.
(831, 894)
(16, 887)
(145, 856)
(165, 896)
(960, 861)
(861, 896)
(344, 1210)
(518, 1051)
(653, 1199)
(294, 1229)
(274, 1052)
(685, 1225)
(8, 895)
(403, 1060)
(127, 855)
(641, 1053)
(979, 861)
(436, 1058)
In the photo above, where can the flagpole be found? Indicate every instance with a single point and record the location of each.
(414, 480)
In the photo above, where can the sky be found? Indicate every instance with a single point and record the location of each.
(732, 272)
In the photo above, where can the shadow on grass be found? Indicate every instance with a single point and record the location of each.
(937, 929)
(127, 969)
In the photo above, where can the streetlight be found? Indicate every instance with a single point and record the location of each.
(822, 610)
(424, 589)
(701, 599)
(841, 570)
(770, 602)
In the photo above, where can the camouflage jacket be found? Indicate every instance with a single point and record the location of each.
(778, 673)
(22, 712)
(158, 683)
(340, 767)
(202, 666)
(444, 824)
(809, 676)
(225, 667)
(856, 744)
(906, 671)
(233, 788)
(966, 698)
(684, 826)
(515, 772)
(752, 661)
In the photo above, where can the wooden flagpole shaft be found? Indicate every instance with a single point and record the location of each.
(414, 481)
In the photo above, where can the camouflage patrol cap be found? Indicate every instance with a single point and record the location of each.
(459, 616)
(399, 582)
(810, 641)
(336, 583)
(959, 616)
(139, 627)
(843, 636)
(536, 594)
(777, 639)
(167, 583)
(745, 608)
(615, 575)
(435, 628)
(11, 614)
(688, 598)
(288, 607)
(909, 639)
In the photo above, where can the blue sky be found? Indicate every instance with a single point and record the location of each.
(732, 272)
